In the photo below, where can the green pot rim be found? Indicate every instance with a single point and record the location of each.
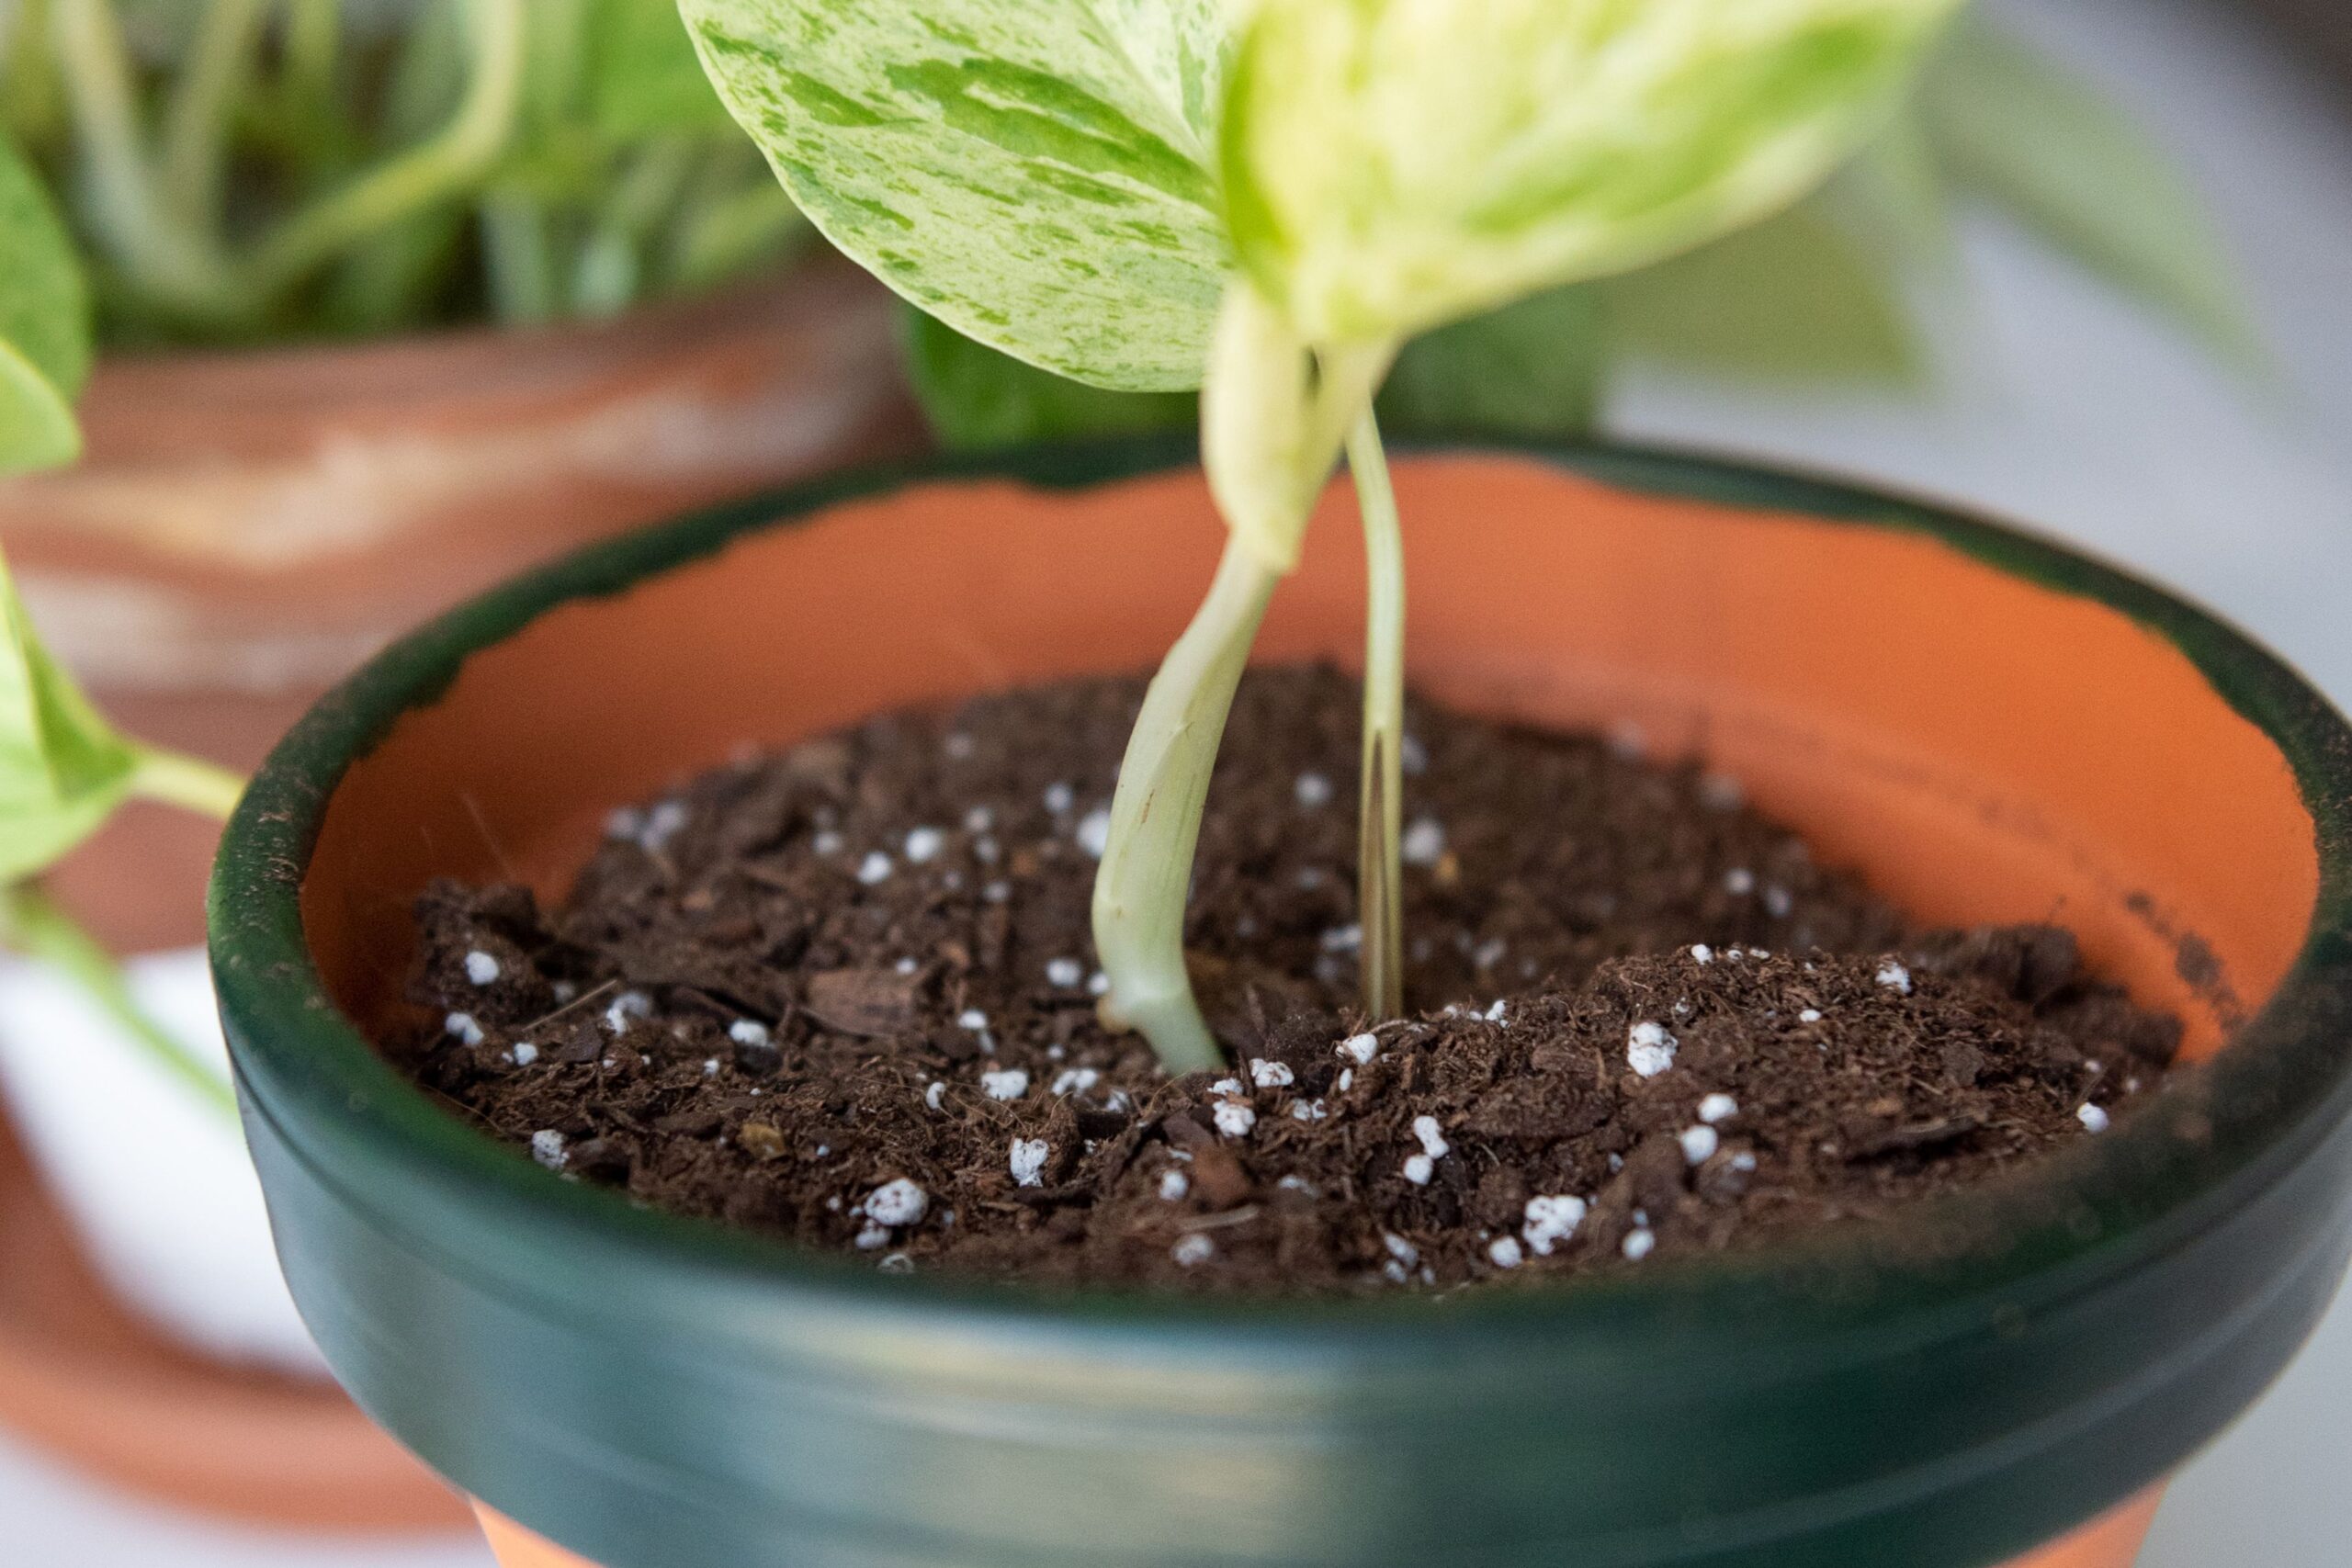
(2032, 1242)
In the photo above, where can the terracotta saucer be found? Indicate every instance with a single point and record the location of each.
(82, 1378)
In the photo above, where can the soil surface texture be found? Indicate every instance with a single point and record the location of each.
(845, 994)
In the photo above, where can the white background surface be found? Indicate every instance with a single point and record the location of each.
(2064, 407)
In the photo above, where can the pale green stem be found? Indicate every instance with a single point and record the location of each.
(1379, 868)
(1141, 890)
(158, 257)
(195, 125)
(36, 928)
(445, 162)
(173, 778)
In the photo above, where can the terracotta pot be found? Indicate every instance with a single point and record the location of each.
(244, 529)
(1988, 726)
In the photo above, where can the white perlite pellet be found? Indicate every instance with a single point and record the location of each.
(1400, 1249)
(482, 968)
(1234, 1119)
(1360, 1049)
(897, 1263)
(463, 1026)
(1174, 1185)
(1649, 1049)
(1269, 1075)
(1313, 790)
(978, 819)
(1810, 1015)
(1227, 1085)
(1739, 882)
(1098, 984)
(934, 1096)
(1027, 1161)
(972, 1019)
(1412, 757)
(526, 1053)
(906, 966)
(925, 844)
(1419, 1168)
(1424, 842)
(872, 1236)
(1432, 1138)
(1343, 938)
(827, 842)
(1505, 1253)
(896, 1203)
(625, 1007)
(1307, 1110)
(874, 868)
(1066, 973)
(1075, 1080)
(1895, 977)
(1702, 954)
(1193, 1250)
(1005, 1083)
(1093, 833)
(1347, 1079)
(1060, 798)
(1640, 1244)
(1551, 1221)
(1717, 1107)
(1777, 902)
(546, 1147)
(2092, 1117)
(1699, 1143)
(748, 1031)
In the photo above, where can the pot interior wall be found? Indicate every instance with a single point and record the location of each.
(1980, 746)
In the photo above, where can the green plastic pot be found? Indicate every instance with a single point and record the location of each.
(1992, 726)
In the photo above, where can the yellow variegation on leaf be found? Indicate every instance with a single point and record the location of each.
(1390, 166)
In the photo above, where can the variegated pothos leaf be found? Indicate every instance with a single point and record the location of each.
(1034, 173)
(1391, 164)
(62, 768)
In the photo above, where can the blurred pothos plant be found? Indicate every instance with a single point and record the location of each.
(1826, 290)
(64, 771)
(239, 170)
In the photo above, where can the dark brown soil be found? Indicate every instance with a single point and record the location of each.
(844, 994)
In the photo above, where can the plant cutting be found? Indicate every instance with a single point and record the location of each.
(1269, 211)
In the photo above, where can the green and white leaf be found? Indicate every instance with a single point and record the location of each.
(44, 325)
(62, 768)
(2022, 130)
(1032, 172)
(1391, 164)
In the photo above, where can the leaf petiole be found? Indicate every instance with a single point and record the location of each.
(1379, 865)
(173, 778)
(1139, 893)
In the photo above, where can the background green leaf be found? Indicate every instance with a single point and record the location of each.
(44, 325)
(62, 768)
(1389, 165)
(1533, 368)
(1031, 172)
(977, 398)
(1536, 367)
(2018, 128)
(644, 77)
(1796, 297)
